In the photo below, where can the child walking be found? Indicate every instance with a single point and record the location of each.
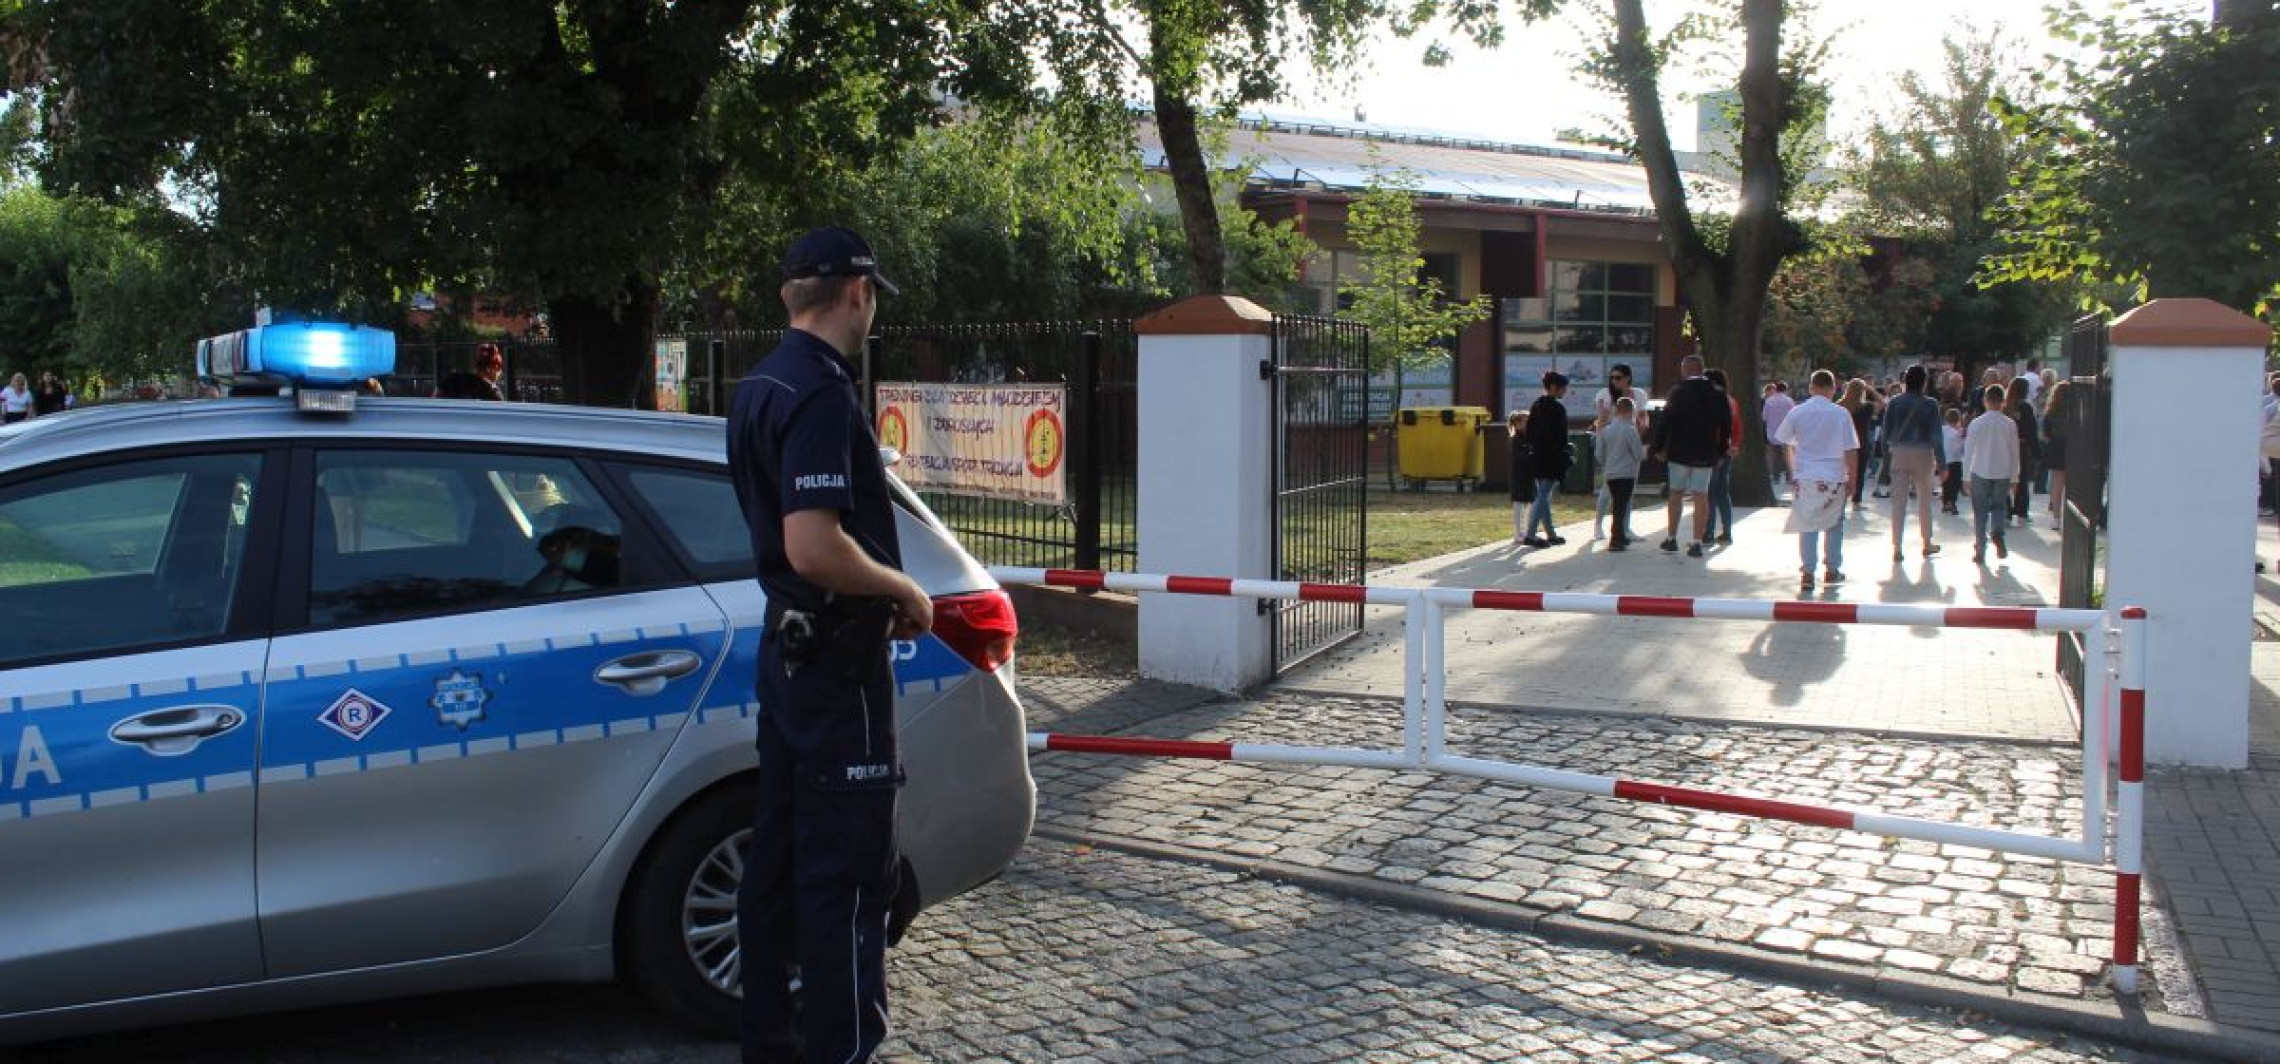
(1991, 458)
(1523, 477)
(1951, 437)
(1620, 452)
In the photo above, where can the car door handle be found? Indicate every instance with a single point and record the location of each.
(648, 672)
(176, 731)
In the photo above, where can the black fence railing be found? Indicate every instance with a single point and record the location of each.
(1321, 468)
(1096, 524)
(2086, 422)
(533, 368)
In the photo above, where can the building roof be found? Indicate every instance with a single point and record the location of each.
(1288, 152)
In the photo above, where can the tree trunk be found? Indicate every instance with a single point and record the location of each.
(1191, 182)
(606, 344)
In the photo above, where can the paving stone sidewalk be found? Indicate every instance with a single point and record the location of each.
(1962, 912)
(1085, 956)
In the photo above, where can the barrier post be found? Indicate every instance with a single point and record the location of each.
(2129, 829)
(1436, 677)
(1413, 678)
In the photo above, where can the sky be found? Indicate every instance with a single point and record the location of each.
(1528, 90)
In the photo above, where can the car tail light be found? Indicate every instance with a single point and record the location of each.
(979, 625)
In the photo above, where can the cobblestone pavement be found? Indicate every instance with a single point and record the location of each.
(1967, 913)
(1079, 956)
(1862, 678)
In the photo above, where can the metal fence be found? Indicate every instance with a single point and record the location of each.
(1097, 528)
(533, 368)
(2084, 423)
(1320, 416)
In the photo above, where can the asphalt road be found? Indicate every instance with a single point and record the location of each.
(1080, 955)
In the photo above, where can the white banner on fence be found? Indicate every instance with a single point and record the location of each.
(1002, 441)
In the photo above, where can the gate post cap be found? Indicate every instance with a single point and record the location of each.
(2188, 323)
(1208, 316)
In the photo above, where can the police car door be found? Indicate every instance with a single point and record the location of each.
(492, 666)
(130, 670)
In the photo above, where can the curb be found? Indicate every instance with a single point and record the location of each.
(2114, 1023)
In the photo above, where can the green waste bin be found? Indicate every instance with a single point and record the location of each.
(1583, 473)
(1440, 443)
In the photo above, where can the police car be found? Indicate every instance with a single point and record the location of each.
(309, 698)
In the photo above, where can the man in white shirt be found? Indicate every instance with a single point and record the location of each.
(1991, 461)
(1824, 458)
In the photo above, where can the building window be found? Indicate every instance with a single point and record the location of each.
(1592, 316)
(1431, 384)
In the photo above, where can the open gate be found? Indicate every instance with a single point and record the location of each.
(2088, 406)
(1320, 420)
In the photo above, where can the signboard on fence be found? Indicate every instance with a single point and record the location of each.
(999, 441)
(672, 375)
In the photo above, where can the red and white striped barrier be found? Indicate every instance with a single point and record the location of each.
(1425, 714)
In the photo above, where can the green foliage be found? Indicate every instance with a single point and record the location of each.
(1404, 307)
(2152, 167)
(35, 282)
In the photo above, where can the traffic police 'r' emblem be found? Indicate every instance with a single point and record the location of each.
(354, 714)
(459, 699)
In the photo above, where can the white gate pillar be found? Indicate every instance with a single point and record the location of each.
(1204, 486)
(2181, 524)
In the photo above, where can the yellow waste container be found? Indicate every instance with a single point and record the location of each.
(1441, 443)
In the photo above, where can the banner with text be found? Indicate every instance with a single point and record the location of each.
(1002, 441)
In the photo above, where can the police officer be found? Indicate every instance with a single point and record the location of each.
(821, 871)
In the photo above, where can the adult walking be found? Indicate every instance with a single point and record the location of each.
(15, 400)
(51, 397)
(1991, 460)
(820, 873)
(1722, 475)
(1693, 432)
(1863, 412)
(1820, 436)
(1917, 456)
(2021, 410)
(1548, 455)
(1777, 406)
(2056, 418)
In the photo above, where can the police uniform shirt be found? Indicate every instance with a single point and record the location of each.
(798, 440)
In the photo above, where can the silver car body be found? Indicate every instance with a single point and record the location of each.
(270, 864)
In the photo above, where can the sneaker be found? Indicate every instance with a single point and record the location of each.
(1832, 578)
(1979, 557)
(1558, 540)
(1534, 541)
(1931, 549)
(1805, 579)
(1897, 556)
(1694, 550)
(1670, 544)
(1725, 539)
(2002, 549)
(1597, 535)
(1618, 545)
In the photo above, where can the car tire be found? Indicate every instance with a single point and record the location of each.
(653, 944)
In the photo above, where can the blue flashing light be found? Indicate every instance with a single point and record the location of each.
(312, 354)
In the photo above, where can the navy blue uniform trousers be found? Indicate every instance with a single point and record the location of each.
(820, 873)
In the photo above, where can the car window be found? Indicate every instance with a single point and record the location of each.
(123, 556)
(403, 533)
(699, 512)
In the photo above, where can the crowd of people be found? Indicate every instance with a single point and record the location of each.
(1922, 439)
(20, 400)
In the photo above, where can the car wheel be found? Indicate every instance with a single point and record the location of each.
(677, 931)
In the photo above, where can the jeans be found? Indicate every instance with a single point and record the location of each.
(1721, 499)
(1542, 513)
(1619, 499)
(1810, 546)
(1990, 503)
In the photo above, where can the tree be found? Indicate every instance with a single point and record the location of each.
(2153, 171)
(1724, 268)
(344, 155)
(1404, 307)
(1929, 176)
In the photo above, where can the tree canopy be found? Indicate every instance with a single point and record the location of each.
(2153, 170)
